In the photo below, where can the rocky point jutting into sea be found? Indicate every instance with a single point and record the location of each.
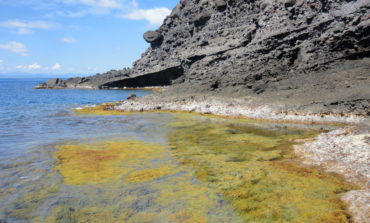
(291, 60)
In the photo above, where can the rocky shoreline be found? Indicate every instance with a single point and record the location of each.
(234, 107)
(345, 150)
(280, 60)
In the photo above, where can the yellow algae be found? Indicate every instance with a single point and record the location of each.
(103, 109)
(187, 217)
(141, 164)
(100, 162)
(213, 170)
(187, 200)
(255, 170)
(150, 174)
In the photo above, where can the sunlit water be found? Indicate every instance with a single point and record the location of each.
(57, 166)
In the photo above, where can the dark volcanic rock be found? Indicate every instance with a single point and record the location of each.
(289, 3)
(259, 41)
(201, 19)
(131, 97)
(55, 83)
(251, 47)
(154, 38)
(220, 4)
(52, 84)
(155, 78)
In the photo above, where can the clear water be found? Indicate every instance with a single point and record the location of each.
(57, 166)
(34, 122)
(30, 117)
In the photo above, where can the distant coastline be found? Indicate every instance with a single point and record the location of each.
(42, 77)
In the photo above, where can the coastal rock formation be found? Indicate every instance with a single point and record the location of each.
(154, 38)
(52, 84)
(260, 48)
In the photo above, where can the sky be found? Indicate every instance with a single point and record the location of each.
(75, 36)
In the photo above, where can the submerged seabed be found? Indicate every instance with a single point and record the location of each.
(173, 168)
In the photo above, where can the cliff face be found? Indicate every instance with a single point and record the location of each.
(223, 44)
(242, 47)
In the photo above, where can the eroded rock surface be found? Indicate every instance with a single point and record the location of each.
(268, 47)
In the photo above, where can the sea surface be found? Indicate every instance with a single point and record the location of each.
(59, 166)
(30, 117)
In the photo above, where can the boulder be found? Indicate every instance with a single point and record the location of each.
(154, 38)
(131, 97)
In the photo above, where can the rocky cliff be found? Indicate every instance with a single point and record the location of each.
(272, 48)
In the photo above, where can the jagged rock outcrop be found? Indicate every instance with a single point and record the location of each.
(250, 47)
(53, 84)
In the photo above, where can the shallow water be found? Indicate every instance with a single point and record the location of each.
(58, 166)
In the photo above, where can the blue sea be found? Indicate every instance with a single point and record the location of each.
(30, 117)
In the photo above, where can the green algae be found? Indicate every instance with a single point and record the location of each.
(257, 172)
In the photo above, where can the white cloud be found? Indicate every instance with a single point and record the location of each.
(109, 4)
(33, 66)
(1, 64)
(79, 8)
(55, 67)
(113, 4)
(26, 27)
(28, 24)
(128, 9)
(153, 16)
(15, 47)
(24, 31)
(71, 14)
(67, 40)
